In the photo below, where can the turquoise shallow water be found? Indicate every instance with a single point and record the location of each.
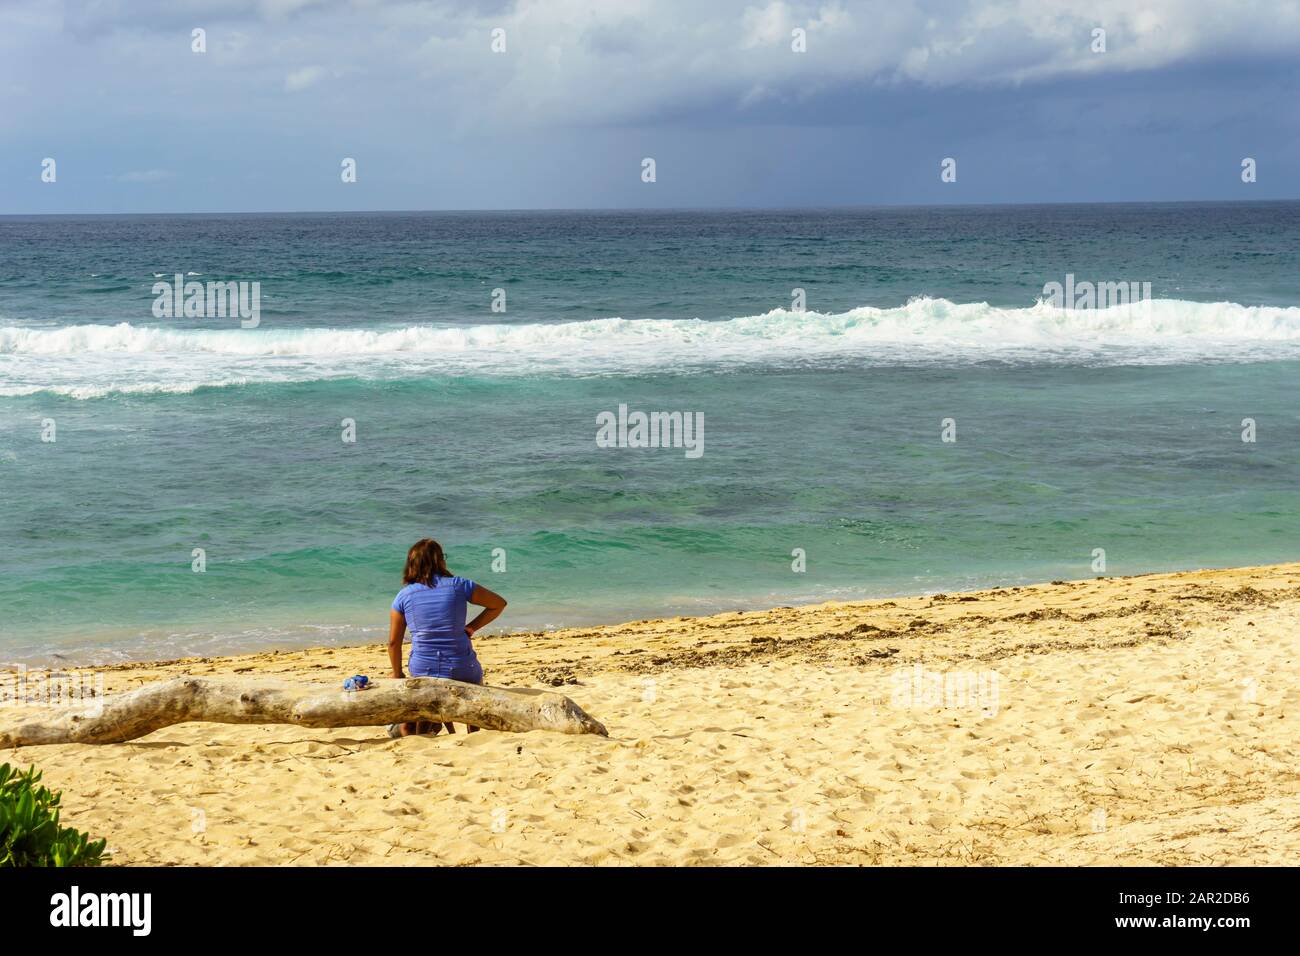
(1075, 431)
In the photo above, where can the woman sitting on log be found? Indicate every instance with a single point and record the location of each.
(432, 604)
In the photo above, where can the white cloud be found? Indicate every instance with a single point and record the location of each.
(634, 61)
(303, 79)
(736, 52)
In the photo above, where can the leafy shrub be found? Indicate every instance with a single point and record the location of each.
(30, 834)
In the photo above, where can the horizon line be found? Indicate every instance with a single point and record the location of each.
(656, 209)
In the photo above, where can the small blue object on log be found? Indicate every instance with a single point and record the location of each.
(356, 682)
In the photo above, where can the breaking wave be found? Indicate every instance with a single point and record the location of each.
(88, 361)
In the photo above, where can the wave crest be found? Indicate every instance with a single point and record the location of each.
(90, 360)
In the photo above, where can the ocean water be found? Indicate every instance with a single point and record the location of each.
(1115, 429)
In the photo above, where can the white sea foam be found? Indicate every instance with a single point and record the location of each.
(113, 388)
(88, 361)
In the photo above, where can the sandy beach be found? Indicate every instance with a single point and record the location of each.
(1140, 720)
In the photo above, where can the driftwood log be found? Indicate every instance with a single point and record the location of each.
(113, 719)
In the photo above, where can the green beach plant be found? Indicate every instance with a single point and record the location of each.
(30, 834)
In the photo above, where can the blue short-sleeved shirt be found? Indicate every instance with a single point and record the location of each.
(435, 616)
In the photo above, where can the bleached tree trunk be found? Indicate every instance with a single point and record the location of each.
(139, 712)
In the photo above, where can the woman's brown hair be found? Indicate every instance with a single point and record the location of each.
(424, 562)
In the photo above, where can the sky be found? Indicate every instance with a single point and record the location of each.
(739, 104)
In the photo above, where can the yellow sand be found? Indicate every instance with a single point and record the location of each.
(1139, 720)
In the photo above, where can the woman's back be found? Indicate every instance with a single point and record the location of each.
(435, 616)
(431, 606)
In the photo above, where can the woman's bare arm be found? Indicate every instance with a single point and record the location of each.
(491, 603)
(396, 631)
